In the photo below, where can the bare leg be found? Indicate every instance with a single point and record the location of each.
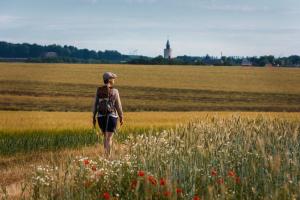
(108, 143)
(104, 141)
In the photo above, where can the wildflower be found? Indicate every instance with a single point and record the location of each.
(106, 195)
(141, 173)
(86, 161)
(178, 190)
(214, 172)
(237, 180)
(94, 168)
(152, 180)
(220, 181)
(167, 193)
(196, 197)
(231, 173)
(162, 181)
(133, 184)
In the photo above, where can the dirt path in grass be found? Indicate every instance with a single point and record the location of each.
(16, 170)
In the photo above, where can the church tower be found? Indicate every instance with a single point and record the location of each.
(168, 51)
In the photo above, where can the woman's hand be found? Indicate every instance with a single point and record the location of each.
(121, 121)
(94, 121)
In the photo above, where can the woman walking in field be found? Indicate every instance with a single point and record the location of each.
(107, 108)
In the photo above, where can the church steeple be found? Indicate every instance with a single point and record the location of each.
(168, 51)
(168, 45)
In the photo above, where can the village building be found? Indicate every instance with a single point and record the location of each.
(246, 62)
(168, 51)
(50, 54)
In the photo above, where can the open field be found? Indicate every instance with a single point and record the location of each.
(216, 150)
(32, 136)
(26, 131)
(36, 120)
(71, 87)
(217, 158)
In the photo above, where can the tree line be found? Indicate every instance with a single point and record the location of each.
(57, 53)
(291, 61)
(70, 54)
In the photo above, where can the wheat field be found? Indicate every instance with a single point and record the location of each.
(274, 80)
(37, 120)
(218, 133)
(217, 158)
(71, 87)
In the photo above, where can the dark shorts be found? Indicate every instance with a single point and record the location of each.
(107, 126)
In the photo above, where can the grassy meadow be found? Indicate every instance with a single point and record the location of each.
(190, 132)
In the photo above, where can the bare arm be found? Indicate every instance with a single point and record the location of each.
(95, 105)
(119, 105)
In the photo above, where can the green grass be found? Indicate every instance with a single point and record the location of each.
(26, 141)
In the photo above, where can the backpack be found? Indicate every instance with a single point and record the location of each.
(105, 105)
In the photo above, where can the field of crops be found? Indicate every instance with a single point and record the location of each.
(71, 87)
(216, 158)
(210, 144)
(26, 131)
(219, 148)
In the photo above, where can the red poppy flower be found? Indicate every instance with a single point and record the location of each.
(167, 193)
(94, 168)
(162, 181)
(214, 172)
(179, 190)
(196, 197)
(220, 181)
(152, 180)
(237, 180)
(231, 173)
(133, 184)
(106, 195)
(141, 173)
(86, 161)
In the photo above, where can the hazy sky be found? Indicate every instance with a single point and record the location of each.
(194, 27)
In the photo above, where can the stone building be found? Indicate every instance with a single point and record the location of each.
(168, 51)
